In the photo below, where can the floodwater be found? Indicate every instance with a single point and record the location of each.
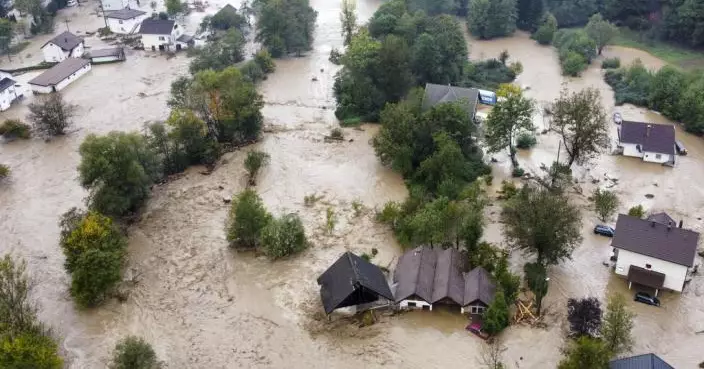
(203, 306)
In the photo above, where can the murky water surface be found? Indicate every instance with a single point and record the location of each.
(203, 306)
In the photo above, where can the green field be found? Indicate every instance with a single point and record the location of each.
(673, 54)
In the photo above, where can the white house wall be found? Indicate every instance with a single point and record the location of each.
(41, 89)
(127, 25)
(675, 274)
(53, 53)
(77, 51)
(419, 304)
(70, 79)
(630, 149)
(653, 157)
(6, 98)
(114, 4)
(103, 59)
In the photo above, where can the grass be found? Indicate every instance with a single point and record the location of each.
(673, 54)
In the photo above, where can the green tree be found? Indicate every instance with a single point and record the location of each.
(134, 353)
(577, 50)
(637, 211)
(4, 171)
(692, 106)
(543, 223)
(580, 120)
(430, 223)
(490, 19)
(496, 316)
(174, 7)
(17, 312)
(170, 153)
(506, 120)
(573, 64)
(605, 203)
(11, 129)
(536, 277)
(285, 26)
(571, 13)
(190, 134)
(29, 350)
(348, 19)
(601, 31)
(617, 326)
(666, 89)
(547, 29)
(247, 219)
(284, 236)
(220, 54)
(51, 115)
(6, 34)
(227, 18)
(450, 47)
(253, 163)
(529, 14)
(585, 353)
(117, 169)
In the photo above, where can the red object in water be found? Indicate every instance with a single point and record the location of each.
(476, 328)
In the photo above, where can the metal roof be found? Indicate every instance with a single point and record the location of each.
(438, 94)
(98, 53)
(6, 83)
(662, 218)
(646, 277)
(659, 138)
(645, 361)
(67, 41)
(59, 72)
(478, 287)
(157, 26)
(124, 14)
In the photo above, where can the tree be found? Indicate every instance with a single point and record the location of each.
(284, 236)
(547, 29)
(585, 353)
(17, 312)
(691, 106)
(605, 203)
(492, 355)
(601, 31)
(247, 219)
(543, 223)
(253, 163)
(529, 14)
(174, 7)
(571, 13)
(220, 54)
(430, 224)
(227, 18)
(51, 115)
(496, 316)
(168, 152)
(584, 316)
(666, 91)
(117, 169)
(11, 129)
(28, 6)
(580, 120)
(285, 26)
(348, 19)
(535, 275)
(29, 350)
(577, 50)
(617, 325)
(637, 211)
(6, 34)
(506, 120)
(190, 134)
(490, 19)
(4, 171)
(134, 353)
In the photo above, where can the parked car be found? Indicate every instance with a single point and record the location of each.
(604, 230)
(646, 299)
(618, 118)
(681, 150)
(476, 328)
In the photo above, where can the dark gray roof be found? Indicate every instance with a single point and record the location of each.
(124, 14)
(662, 218)
(448, 282)
(5, 83)
(438, 94)
(157, 26)
(227, 9)
(67, 41)
(645, 277)
(652, 137)
(98, 53)
(646, 361)
(415, 274)
(185, 38)
(656, 240)
(350, 281)
(59, 72)
(478, 287)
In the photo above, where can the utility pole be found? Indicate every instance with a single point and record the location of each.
(66, 21)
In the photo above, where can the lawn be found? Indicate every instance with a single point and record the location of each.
(673, 54)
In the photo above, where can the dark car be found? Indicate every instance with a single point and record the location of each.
(604, 230)
(646, 299)
(681, 150)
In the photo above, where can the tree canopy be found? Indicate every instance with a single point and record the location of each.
(248, 217)
(601, 31)
(585, 353)
(285, 26)
(507, 119)
(134, 353)
(584, 316)
(617, 326)
(490, 19)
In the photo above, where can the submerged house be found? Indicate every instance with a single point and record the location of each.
(60, 75)
(645, 361)
(653, 143)
(439, 94)
(66, 45)
(159, 34)
(652, 253)
(125, 21)
(426, 276)
(352, 281)
(9, 92)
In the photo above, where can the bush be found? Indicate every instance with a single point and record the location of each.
(190, 135)
(496, 316)
(605, 203)
(29, 350)
(637, 211)
(94, 249)
(104, 31)
(134, 353)
(573, 64)
(508, 190)
(13, 128)
(252, 72)
(576, 50)
(265, 61)
(337, 133)
(51, 115)
(247, 219)
(254, 162)
(284, 236)
(631, 84)
(335, 56)
(526, 141)
(517, 172)
(4, 171)
(546, 31)
(611, 63)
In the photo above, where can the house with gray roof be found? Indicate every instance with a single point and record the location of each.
(9, 92)
(125, 21)
(426, 276)
(651, 142)
(65, 45)
(161, 34)
(654, 254)
(59, 76)
(646, 361)
(439, 94)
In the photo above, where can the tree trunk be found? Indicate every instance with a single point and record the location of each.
(512, 153)
(569, 164)
(600, 49)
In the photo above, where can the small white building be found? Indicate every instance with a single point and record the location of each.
(114, 4)
(653, 254)
(125, 21)
(66, 45)
(9, 92)
(653, 143)
(59, 76)
(159, 34)
(105, 55)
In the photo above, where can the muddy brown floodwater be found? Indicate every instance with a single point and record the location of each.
(203, 306)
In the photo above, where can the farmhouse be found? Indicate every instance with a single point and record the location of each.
(653, 254)
(646, 361)
(352, 281)
(60, 75)
(9, 92)
(652, 142)
(105, 55)
(66, 45)
(125, 21)
(159, 34)
(439, 94)
(427, 276)
(114, 4)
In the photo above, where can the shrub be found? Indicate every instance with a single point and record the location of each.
(390, 214)
(284, 236)
(637, 211)
(252, 72)
(29, 350)
(508, 190)
(611, 63)
(330, 220)
(496, 316)
(190, 135)
(517, 172)
(134, 353)
(489, 179)
(51, 115)
(337, 133)
(357, 207)
(4, 171)
(605, 203)
(104, 31)
(573, 64)
(265, 61)
(13, 128)
(631, 84)
(525, 141)
(310, 200)
(253, 163)
(247, 219)
(546, 31)
(335, 56)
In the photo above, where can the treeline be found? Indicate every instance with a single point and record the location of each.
(398, 50)
(285, 26)
(676, 94)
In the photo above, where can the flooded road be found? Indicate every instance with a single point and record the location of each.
(203, 306)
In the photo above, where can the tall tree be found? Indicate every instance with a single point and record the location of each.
(134, 353)
(580, 120)
(601, 31)
(547, 29)
(348, 19)
(536, 277)
(247, 218)
(490, 19)
(508, 118)
(666, 91)
(585, 353)
(51, 115)
(605, 203)
(6, 34)
(529, 14)
(584, 316)
(285, 26)
(617, 326)
(543, 223)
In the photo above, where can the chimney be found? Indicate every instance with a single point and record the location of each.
(680, 224)
(647, 130)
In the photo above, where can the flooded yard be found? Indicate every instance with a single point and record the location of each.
(203, 306)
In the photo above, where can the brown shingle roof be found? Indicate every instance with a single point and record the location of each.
(656, 240)
(59, 72)
(652, 137)
(645, 277)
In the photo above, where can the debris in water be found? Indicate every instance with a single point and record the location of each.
(314, 79)
(649, 195)
(493, 160)
(226, 200)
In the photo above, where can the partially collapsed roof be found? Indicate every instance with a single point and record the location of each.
(659, 138)
(157, 26)
(59, 72)
(656, 240)
(351, 281)
(438, 94)
(646, 361)
(67, 41)
(662, 218)
(124, 14)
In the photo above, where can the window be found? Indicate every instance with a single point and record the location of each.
(477, 309)
(411, 304)
(648, 266)
(658, 156)
(161, 38)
